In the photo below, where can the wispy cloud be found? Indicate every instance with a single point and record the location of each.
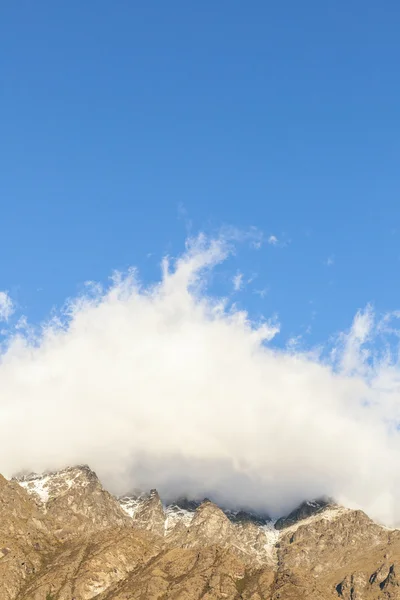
(281, 241)
(6, 306)
(273, 240)
(261, 292)
(237, 282)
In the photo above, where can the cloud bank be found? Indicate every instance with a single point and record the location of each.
(169, 387)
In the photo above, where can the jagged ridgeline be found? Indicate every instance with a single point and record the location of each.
(64, 537)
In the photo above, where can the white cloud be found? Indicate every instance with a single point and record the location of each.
(354, 354)
(262, 293)
(273, 240)
(6, 306)
(167, 386)
(237, 282)
(294, 343)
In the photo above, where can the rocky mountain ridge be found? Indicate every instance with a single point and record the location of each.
(64, 537)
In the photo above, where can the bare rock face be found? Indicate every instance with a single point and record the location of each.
(311, 544)
(63, 537)
(150, 514)
(253, 543)
(26, 541)
(74, 501)
(344, 552)
(85, 567)
(209, 523)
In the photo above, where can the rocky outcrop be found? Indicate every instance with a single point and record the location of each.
(150, 514)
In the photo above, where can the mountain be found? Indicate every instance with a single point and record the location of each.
(64, 537)
(304, 510)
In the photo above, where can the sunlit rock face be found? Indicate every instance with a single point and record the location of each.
(62, 535)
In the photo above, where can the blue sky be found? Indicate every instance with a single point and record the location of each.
(125, 126)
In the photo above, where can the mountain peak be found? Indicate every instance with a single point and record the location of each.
(305, 509)
(52, 484)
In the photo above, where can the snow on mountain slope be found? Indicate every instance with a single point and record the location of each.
(53, 484)
(175, 514)
(130, 504)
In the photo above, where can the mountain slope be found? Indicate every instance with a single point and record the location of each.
(62, 536)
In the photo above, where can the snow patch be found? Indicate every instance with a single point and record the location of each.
(38, 487)
(54, 484)
(327, 514)
(175, 515)
(130, 504)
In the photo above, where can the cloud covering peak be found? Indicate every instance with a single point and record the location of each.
(166, 386)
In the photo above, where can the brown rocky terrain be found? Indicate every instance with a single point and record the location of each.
(63, 537)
